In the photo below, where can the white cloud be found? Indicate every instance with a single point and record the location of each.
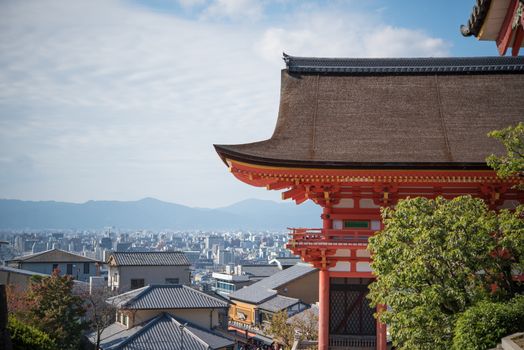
(109, 100)
(191, 3)
(235, 9)
(331, 34)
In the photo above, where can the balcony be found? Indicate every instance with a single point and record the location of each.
(324, 238)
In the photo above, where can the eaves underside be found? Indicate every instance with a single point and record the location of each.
(228, 154)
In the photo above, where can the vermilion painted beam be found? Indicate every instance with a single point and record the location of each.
(517, 42)
(506, 30)
(294, 192)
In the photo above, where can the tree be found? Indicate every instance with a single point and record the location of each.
(436, 258)
(100, 312)
(56, 310)
(305, 325)
(282, 332)
(512, 163)
(26, 337)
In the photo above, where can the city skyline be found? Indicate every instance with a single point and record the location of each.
(123, 100)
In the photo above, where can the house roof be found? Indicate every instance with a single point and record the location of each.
(163, 332)
(149, 259)
(169, 296)
(53, 256)
(265, 288)
(278, 303)
(260, 270)
(366, 113)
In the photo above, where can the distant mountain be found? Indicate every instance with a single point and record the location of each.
(150, 213)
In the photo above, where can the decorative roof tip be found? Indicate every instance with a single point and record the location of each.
(476, 18)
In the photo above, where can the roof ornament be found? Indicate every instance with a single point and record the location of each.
(286, 58)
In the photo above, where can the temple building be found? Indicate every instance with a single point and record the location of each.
(501, 21)
(355, 135)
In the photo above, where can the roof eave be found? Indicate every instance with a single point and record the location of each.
(226, 152)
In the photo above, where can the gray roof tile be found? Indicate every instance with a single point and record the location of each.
(52, 256)
(264, 289)
(166, 297)
(150, 258)
(404, 66)
(278, 303)
(163, 332)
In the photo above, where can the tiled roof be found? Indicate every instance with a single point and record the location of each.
(404, 66)
(278, 303)
(166, 297)
(163, 332)
(260, 270)
(52, 256)
(264, 289)
(149, 258)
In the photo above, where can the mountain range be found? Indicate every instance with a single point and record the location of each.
(150, 213)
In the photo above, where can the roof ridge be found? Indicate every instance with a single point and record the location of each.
(202, 293)
(404, 66)
(188, 330)
(142, 293)
(147, 326)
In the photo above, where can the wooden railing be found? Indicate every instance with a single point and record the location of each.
(352, 342)
(308, 236)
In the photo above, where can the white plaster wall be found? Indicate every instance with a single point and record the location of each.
(345, 203)
(151, 275)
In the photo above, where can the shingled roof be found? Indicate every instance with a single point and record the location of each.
(265, 289)
(52, 256)
(148, 259)
(403, 113)
(166, 297)
(163, 332)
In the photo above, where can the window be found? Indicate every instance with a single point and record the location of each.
(69, 269)
(125, 320)
(86, 268)
(137, 283)
(356, 224)
(55, 267)
(171, 280)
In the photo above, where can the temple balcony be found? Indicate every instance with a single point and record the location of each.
(310, 238)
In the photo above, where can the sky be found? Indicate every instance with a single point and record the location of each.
(121, 100)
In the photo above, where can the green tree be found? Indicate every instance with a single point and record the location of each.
(483, 325)
(56, 310)
(512, 163)
(26, 337)
(436, 258)
(282, 332)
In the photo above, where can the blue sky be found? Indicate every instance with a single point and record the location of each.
(123, 99)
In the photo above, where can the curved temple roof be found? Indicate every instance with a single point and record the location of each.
(389, 113)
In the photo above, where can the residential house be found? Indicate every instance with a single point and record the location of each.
(291, 290)
(132, 270)
(169, 317)
(78, 266)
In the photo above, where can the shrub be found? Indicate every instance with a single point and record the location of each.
(483, 325)
(25, 337)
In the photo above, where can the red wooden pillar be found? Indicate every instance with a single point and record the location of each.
(323, 292)
(381, 332)
(323, 312)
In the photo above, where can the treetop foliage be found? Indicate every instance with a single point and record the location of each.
(437, 257)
